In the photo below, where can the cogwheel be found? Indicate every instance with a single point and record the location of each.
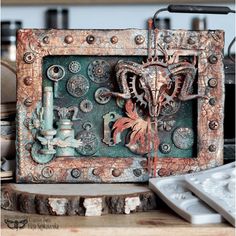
(134, 93)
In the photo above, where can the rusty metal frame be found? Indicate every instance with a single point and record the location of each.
(33, 45)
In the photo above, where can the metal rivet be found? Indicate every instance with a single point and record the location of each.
(139, 39)
(90, 39)
(137, 172)
(47, 172)
(28, 81)
(75, 173)
(212, 101)
(114, 39)
(191, 40)
(69, 39)
(28, 101)
(28, 146)
(143, 163)
(167, 39)
(213, 59)
(213, 125)
(212, 82)
(165, 148)
(116, 173)
(212, 148)
(164, 172)
(46, 40)
(95, 172)
(29, 57)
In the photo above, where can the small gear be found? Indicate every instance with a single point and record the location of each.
(86, 106)
(134, 93)
(74, 67)
(100, 97)
(77, 86)
(99, 71)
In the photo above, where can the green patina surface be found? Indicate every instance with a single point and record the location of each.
(185, 117)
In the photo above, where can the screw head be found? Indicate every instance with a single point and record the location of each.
(191, 40)
(75, 173)
(28, 146)
(167, 39)
(69, 39)
(212, 148)
(46, 40)
(214, 125)
(114, 39)
(47, 172)
(212, 82)
(213, 59)
(90, 39)
(139, 39)
(164, 172)
(116, 173)
(29, 57)
(165, 148)
(28, 101)
(212, 101)
(95, 172)
(137, 172)
(28, 80)
(143, 163)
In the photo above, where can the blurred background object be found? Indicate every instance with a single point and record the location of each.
(57, 19)
(199, 24)
(8, 39)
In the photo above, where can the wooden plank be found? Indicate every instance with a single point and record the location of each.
(100, 2)
(162, 222)
(77, 199)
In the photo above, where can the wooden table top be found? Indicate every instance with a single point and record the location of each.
(159, 223)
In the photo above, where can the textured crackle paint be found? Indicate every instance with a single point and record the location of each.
(131, 203)
(93, 206)
(58, 205)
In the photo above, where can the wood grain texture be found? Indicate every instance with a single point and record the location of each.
(100, 2)
(77, 199)
(162, 222)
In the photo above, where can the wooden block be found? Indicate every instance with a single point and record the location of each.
(78, 199)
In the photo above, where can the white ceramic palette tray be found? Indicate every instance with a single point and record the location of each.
(216, 187)
(172, 190)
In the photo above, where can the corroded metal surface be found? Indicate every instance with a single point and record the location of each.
(207, 49)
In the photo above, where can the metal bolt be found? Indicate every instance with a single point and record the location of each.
(28, 146)
(46, 40)
(69, 39)
(213, 125)
(212, 82)
(95, 172)
(114, 39)
(90, 39)
(165, 148)
(139, 39)
(28, 101)
(212, 148)
(191, 40)
(167, 39)
(29, 57)
(164, 172)
(213, 59)
(212, 101)
(116, 173)
(137, 172)
(47, 172)
(143, 163)
(75, 173)
(28, 81)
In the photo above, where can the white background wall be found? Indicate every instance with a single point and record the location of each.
(116, 16)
